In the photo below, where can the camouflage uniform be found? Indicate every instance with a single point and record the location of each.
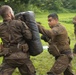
(74, 22)
(59, 48)
(15, 35)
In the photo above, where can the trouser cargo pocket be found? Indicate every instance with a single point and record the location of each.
(53, 50)
(5, 51)
(25, 47)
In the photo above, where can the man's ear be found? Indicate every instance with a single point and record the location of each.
(9, 14)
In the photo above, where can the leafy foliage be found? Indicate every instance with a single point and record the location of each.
(40, 5)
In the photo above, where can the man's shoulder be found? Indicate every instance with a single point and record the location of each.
(18, 22)
(1, 23)
(59, 28)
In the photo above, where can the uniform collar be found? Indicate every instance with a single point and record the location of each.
(6, 20)
(57, 25)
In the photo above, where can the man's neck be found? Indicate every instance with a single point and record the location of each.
(7, 18)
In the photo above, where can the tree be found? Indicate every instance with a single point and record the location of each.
(69, 4)
(39, 5)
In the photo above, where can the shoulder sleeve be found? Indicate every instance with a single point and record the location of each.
(44, 31)
(58, 30)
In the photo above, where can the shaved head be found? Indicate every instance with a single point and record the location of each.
(5, 9)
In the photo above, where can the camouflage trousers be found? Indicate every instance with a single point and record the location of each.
(61, 65)
(25, 67)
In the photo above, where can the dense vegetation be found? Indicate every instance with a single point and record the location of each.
(41, 5)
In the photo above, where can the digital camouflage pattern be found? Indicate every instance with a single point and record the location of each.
(59, 48)
(25, 67)
(14, 35)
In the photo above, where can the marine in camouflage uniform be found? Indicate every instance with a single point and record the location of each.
(74, 22)
(58, 40)
(14, 49)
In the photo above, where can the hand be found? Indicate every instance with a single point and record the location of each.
(45, 38)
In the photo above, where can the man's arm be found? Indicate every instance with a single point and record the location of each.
(44, 31)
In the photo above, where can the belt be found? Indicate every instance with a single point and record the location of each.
(17, 48)
(14, 49)
(8, 45)
(66, 52)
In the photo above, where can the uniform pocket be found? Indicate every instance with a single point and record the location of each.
(25, 47)
(53, 50)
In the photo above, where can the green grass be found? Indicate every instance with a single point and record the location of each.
(44, 61)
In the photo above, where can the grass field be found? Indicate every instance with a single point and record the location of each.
(44, 61)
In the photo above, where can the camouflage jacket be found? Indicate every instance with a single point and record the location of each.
(58, 36)
(14, 32)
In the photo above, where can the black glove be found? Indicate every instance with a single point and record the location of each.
(45, 38)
